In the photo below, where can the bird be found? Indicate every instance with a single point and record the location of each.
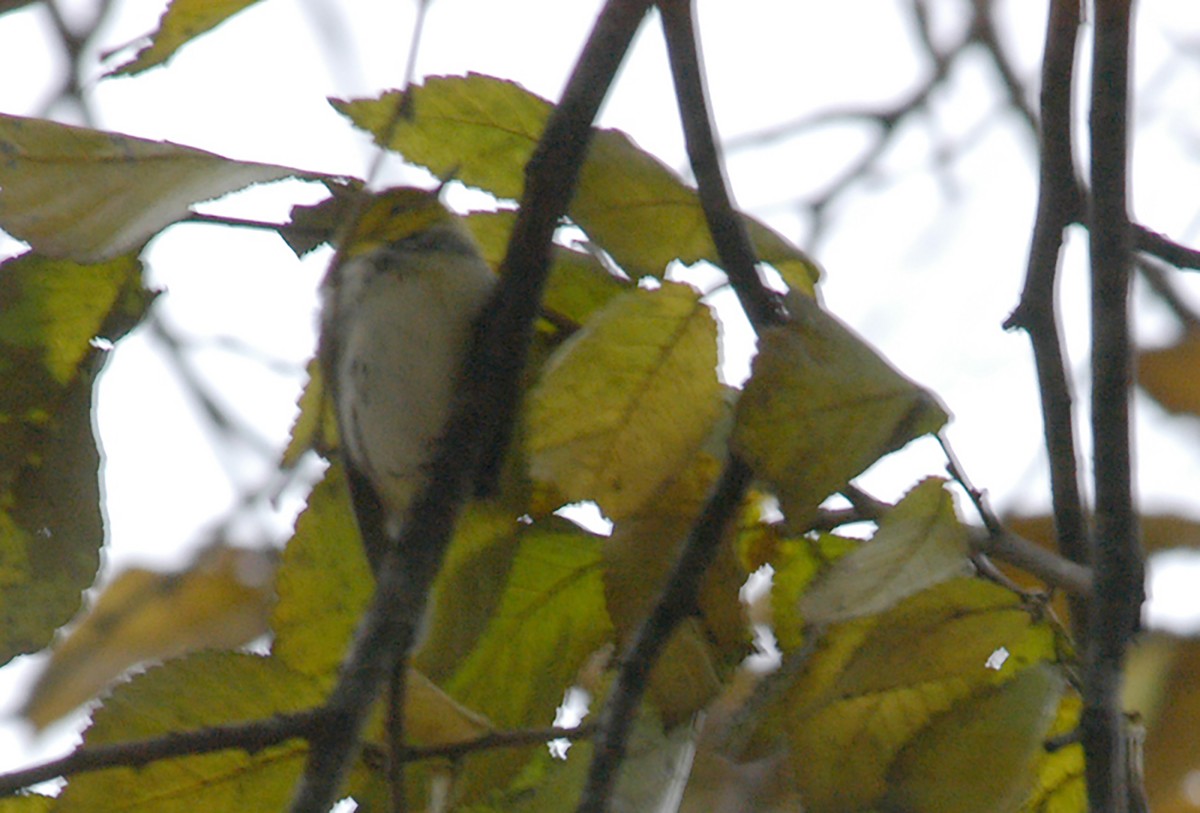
(399, 301)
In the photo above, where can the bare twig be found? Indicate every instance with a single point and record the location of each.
(1151, 242)
(478, 433)
(1116, 554)
(998, 542)
(1059, 205)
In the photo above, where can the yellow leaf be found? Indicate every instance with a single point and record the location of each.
(88, 195)
(1168, 374)
(624, 404)
(56, 320)
(324, 582)
(1059, 782)
(1164, 686)
(638, 556)
(919, 543)
(202, 690)
(183, 20)
(482, 130)
(820, 407)
(978, 756)
(432, 717)
(876, 683)
(221, 601)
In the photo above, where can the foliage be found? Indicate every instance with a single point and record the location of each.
(909, 681)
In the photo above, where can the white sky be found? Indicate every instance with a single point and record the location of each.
(926, 270)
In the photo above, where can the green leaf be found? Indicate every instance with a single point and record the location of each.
(56, 318)
(578, 284)
(202, 690)
(979, 756)
(875, 684)
(27, 803)
(920, 542)
(624, 404)
(183, 21)
(1059, 781)
(549, 620)
(324, 583)
(469, 586)
(483, 130)
(821, 406)
(89, 195)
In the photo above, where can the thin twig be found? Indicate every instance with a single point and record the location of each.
(998, 542)
(1116, 554)
(477, 435)
(1151, 242)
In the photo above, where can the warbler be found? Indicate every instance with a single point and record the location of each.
(398, 305)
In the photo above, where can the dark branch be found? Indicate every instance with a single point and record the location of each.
(1059, 205)
(677, 602)
(250, 737)
(253, 737)
(1167, 250)
(1116, 554)
(478, 434)
(678, 597)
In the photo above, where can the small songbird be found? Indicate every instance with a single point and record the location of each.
(399, 302)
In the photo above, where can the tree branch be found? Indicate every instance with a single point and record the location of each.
(250, 737)
(477, 436)
(253, 737)
(1060, 204)
(1167, 250)
(676, 602)
(764, 309)
(1116, 555)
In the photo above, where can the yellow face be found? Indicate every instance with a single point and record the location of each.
(393, 215)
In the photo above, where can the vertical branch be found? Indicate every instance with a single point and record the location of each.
(676, 602)
(1116, 610)
(1059, 205)
(479, 428)
(678, 598)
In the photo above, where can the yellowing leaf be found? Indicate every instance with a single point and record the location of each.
(977, 757)
(184, 20)
(222, 601)
(1059, 785)
(624, 404)
(919, 543)
(483, 131)
(549, 619)
(1164, 687)
(56, 318)
(638, 556)
(431, 717)
(578, 283)
(797, 562)
(820, 407)
(88, 195)
(1168, 374)
(324, 583)
(205, 689)
(469, 586)
(876, 683)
